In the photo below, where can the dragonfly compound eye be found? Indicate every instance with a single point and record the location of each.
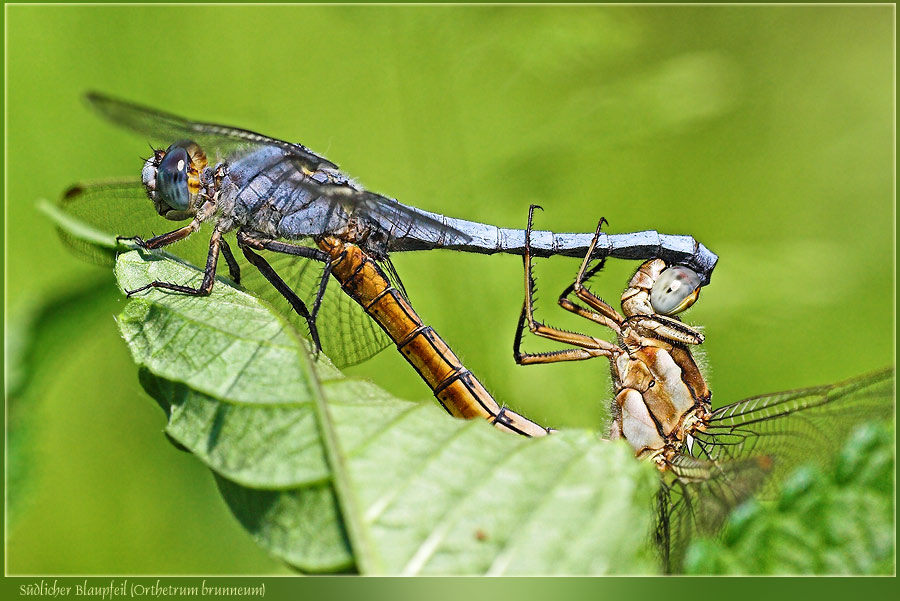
(172, 178)
(675, 290)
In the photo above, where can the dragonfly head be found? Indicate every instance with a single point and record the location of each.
(660, 289)
(171, 178)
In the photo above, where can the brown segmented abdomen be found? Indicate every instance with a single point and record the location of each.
(455, 387)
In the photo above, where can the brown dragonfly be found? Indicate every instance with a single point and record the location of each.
(710, 460)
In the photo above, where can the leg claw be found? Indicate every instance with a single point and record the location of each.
(134, 239)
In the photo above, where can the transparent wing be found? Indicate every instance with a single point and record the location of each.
(348, 335)
(797, 425)
(90, 216)
(395, 218)
(749, 446)
(95, 213)
(166, 128)
(696, 496)
(387, 266)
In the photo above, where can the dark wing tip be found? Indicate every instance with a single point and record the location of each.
(73, 191)
(108, 107)
(101, 102)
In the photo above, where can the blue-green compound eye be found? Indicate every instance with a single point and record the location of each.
(675, 290)
(172, 177)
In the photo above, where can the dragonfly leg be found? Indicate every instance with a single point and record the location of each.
(323, 283)
(589, 347)
(163, 239)
(245, 243)
(602, 313)
(234, 270)
(209, 274)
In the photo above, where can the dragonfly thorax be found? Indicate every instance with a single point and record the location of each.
(659, 395)
(660, 392)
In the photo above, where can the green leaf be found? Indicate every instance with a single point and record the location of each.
(840, 522)
(327, 472)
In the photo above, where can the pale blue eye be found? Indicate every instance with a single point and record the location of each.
(675, 290)
(172, 178)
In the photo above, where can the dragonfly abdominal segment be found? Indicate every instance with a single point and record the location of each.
(455, 387)
(487, 239)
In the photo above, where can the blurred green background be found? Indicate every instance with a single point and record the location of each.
(765, 132)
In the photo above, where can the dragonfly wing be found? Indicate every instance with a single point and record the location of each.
(348, 334)
(696, 496)
(166, 128)
(797, 425)
(394, 218)
(400, 220)
(387, 266)
(749, 446)
(89, 217)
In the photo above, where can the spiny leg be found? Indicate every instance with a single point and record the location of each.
(575, 354)
(584, 273)
(297, 251)
(273, 278)
(163, 239)
(209, 274)
(589, 346)
(526, 259)
(246, 242)
(602, 313)
(586, 342)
